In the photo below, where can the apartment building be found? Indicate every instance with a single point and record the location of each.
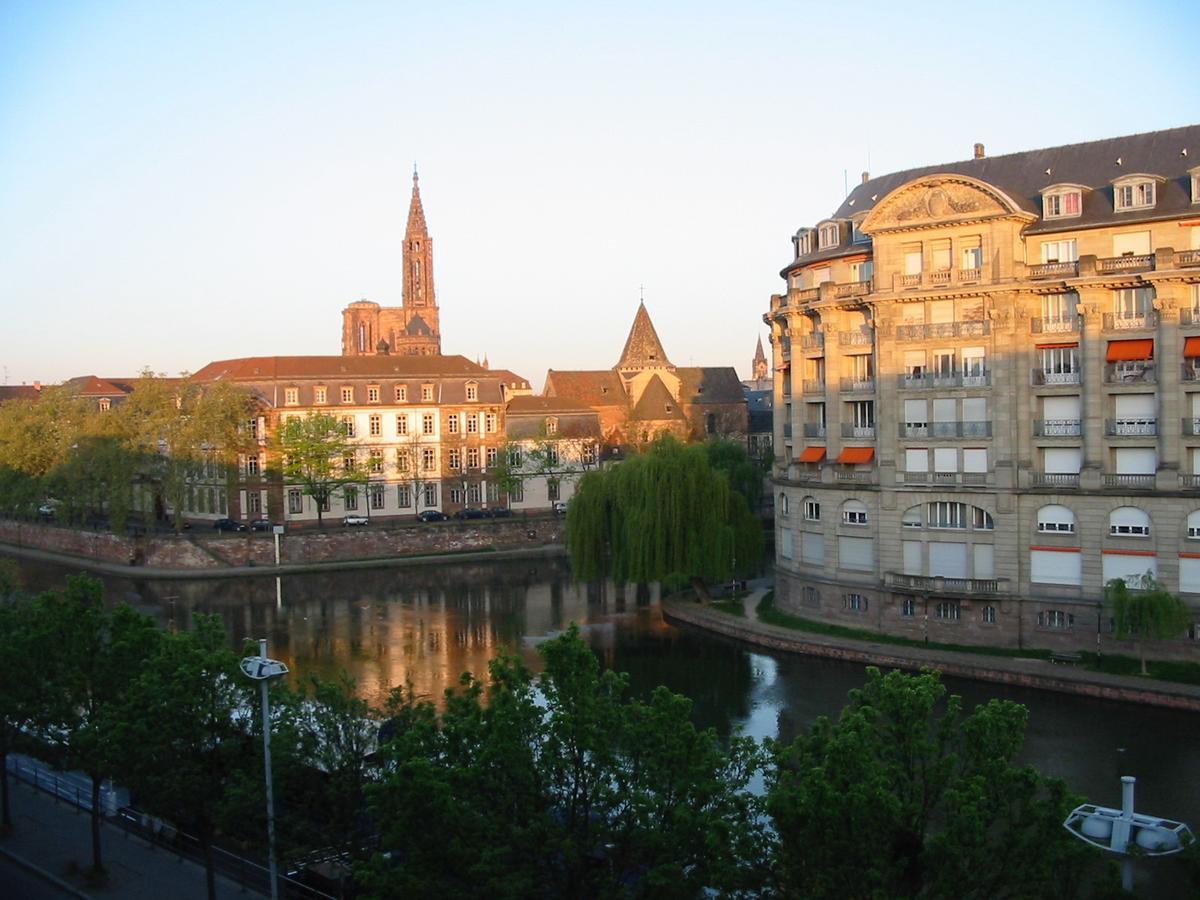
(987, 394)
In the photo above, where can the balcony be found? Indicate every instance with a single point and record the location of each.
(1130, 373)
(1055, 270)
(930, 330)
(858, 385)
(1189, 482)
(938, 278)
(862, 337)
(1130, 427)
(1054, 378)
(928, 381)
(1057, 427)
(1187, 257)
(1054, 479)
(814, 430)
(1131, 322)
(814, 341)
(945, 429)
(852, 289)
(1141, 482)
(797, 296)
(1056, 325)
(1191, 427)
(1130, 263)
(940, 584)
(814, 385)
(1189, 317)
(854, 476)
(862, 432)
(1190, 371)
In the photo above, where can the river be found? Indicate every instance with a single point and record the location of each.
(422, 627)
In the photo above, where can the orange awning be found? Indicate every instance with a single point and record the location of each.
(1191, 347)
(1120, 351)
(856, 456)
(812, 455)
(1058, 346)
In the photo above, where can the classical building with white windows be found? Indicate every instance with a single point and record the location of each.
(987, 395)
(552, 441)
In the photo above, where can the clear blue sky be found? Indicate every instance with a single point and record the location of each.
(182, 182)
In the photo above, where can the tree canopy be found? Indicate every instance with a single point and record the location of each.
(1148, 612)
(312, 451)
(665, 515)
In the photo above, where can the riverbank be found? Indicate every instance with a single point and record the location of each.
(1039, 674)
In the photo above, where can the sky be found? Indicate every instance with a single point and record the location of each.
(182, 182)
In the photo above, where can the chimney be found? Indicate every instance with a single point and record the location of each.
(979, 151)
(866, 177)
(37, 385)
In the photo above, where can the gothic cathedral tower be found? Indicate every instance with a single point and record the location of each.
(409, 330)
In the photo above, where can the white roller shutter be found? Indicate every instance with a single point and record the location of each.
(785, 543)
(1052, 567)
(1131, 568)
(915, 412)
(913, 313)
(916, 460)
(1062, 460)
(975, 459)
(913, 359)
(974, 409)
(985, 561)
(1059, 408)
(941, 311)
(1196, 397)
(1135, 242)
(1135, 406)
(1189, 575)
(947, 559)
(812, 548)
(856, 553)
(912, 558)
(945, 459)
(1136, 460)
(945, 410)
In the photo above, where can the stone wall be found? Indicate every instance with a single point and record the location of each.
(207, 550)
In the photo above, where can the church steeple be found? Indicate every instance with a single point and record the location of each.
(758, 367)
(416, 212)
(418, 255)
(643, 349)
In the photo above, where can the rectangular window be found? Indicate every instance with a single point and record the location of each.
(295, 501)
(1059, 251)
(912, 259)
(320, 395)
(856, 603)
(916, 459)
(970, 253)
(454, 462)
(490, 456)
(812, 510)
(401, 423)
(908, 608)
(456, 496)
(375, 462)
(472, 392)
(828, 236)
(947, 514)
(348, 425)
(514, 457)
(812, 548)
(517, 492)
(253, 501)
(251, 465)
(552, 455)
(472, 457)
(347, 395)
(372, 393)
(403, 461)
(552, 489)
(426, 392)
(427, 423)
(348, 463)
(428, 459)
(452, 423)
(1055, 618)
(375, 425)
(350, 497)
(430, 493)
(473, 494)
(291, 396)
(939, 255)
(472, 424)
(375, 492)
(404, 496)
(489, 423)
(948, 610)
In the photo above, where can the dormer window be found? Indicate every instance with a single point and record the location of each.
(551, 425)
(472, 391)
(426, 393)
(1195, 174)
(1062, 202)
(105, 404)
(804, 241)
(830, 235)
(1135, 192)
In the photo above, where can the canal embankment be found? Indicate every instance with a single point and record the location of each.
(1039, 674)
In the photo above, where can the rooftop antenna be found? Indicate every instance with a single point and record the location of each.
(642, 293)
(845, 183)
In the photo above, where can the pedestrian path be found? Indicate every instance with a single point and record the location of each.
(52, 839)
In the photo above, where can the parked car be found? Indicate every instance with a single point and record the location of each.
(500, 512)
(431, 515)
(471, 514)
(47, 509)
(560, 507)
(355, 519)
(261, 525)
(228, 525)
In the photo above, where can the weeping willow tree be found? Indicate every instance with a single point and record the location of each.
(666, 515)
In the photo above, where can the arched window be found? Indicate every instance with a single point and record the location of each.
(911, 518)
(1053, 518)
(812, 509)
(1129, 521)
(783, 504)
(1193, 525)
(854, 512)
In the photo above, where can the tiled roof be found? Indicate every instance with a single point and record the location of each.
(19, 392)
(656, 403)
(643, 349)
(92, 386)
(255, 368)
(709, 384)
(592, 388)
(537, 406)
(511, 378)
(1094, 164)
(570, 425)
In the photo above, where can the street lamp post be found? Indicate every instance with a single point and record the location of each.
(262, 669)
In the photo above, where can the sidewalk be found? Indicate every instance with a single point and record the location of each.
(53, 839)
(1026, 672)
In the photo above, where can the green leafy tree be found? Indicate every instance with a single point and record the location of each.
(1149, 613)
(666, 515)
(19, 686)
(176, 738)
(89, 656)
(312, 450)
(582, 793)
(904, 796)
(744, 472)
(37, 439)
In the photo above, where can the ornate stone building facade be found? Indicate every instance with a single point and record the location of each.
(413, 328)
(645, 394)
(987, 395)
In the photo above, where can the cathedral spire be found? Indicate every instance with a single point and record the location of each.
(758, 366)
(416, 212)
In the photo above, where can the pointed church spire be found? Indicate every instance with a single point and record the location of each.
(758, 365)
(643, 350)
(416, 212)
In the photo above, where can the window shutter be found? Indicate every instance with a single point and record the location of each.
(912, 557)
(949, 560)
(1189, 575)
(916, 460)
(1136, 460)
(985, 563)
(856, 553)
(1058, 408)
(1134, 242)
(1051, 567)
(975, 459)
(1130, 568)
(1062, 460)
(1135, 406)
(945, 459)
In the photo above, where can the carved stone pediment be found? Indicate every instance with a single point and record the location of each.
(938, 200)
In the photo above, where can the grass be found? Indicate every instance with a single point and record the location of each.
(1111, 663)
(731, 607)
